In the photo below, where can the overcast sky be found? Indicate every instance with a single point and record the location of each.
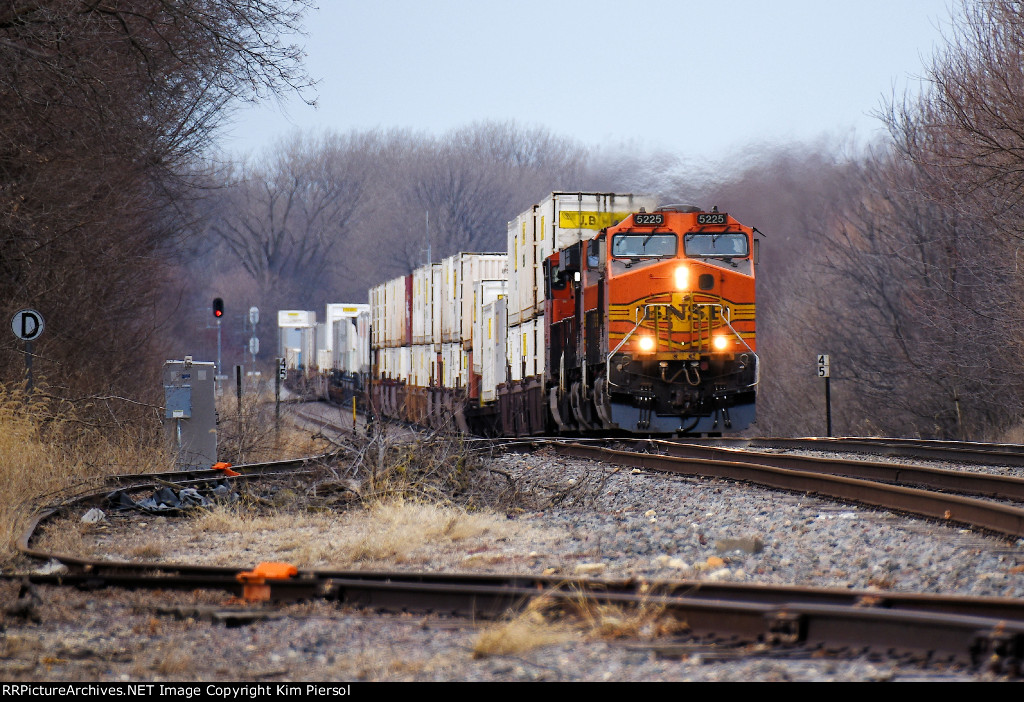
(698, 78)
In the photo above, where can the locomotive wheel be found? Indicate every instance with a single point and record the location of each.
(602, 403)
(560, 412)
(581, 407)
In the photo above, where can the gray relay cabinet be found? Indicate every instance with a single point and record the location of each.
(190, 414)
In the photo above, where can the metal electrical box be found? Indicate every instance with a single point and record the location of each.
(190, 414)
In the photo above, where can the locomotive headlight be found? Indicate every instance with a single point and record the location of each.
(646, 343)
(720, 343)
(682, 278)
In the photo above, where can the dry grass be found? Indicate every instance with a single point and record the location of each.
(390, 532)
(66, 535)
(251, 435)
(645, 621)
(545, 622)
(48, 447)
(532, 628)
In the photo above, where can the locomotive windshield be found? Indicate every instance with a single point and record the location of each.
(647, 245)
(728, 244)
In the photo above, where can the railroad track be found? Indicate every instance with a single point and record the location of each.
(886, 485)
(919, 449)
(966, 630)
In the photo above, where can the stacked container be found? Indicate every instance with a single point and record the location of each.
(561, 220)
(484, 293)
(489, 348)
(461, 273)
(422, 305)
(345, 346)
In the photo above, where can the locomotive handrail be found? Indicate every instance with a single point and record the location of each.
(608, 361)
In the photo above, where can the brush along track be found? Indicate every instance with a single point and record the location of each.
(963, 629)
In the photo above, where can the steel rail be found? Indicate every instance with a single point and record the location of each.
(990, 484)
(991, 516)
(959, 451)
(968, 639)
(89, 573)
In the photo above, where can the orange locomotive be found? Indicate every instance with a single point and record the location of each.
(651, 328)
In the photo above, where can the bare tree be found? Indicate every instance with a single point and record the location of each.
(285, 217)
(966, 129)
(923, 335)
(104, 107)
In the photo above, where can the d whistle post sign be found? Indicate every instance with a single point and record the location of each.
(28, 326)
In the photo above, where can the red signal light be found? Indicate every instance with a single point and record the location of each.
(218, 307)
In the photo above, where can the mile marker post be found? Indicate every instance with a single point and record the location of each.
(824, 372)
(281, 374)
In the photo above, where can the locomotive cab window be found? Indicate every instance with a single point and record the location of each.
(644, 245)
(727, 244)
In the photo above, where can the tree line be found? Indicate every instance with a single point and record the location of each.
(901, 261)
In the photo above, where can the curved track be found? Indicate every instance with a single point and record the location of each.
(978, 631)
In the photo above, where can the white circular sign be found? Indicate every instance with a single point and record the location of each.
(27, 325)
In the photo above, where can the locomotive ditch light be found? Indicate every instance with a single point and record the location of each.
(646, 343)
(721, 343)
(682, 278)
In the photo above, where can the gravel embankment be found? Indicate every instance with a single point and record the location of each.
(563, 516)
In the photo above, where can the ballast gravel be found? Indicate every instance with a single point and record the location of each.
(576, 517)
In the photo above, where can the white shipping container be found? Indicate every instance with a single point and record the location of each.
(405, 363)
(491, 349)
(323, 344)
(349, 345)
(476, 268)
(449, 302)
(460, 273)
(360, 362)
(519, 245)
(452, 359)
(422, 281)
(526, 349)
(377, 316)
(396, 313)
(484, 292)
(387, 315)
(397, 363)
(422, 355)
(295, 319)
(438, 295)
(560, 220)
(514, 351)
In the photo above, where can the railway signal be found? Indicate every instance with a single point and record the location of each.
(218, 312)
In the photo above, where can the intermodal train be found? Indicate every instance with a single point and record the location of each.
(606, 314)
